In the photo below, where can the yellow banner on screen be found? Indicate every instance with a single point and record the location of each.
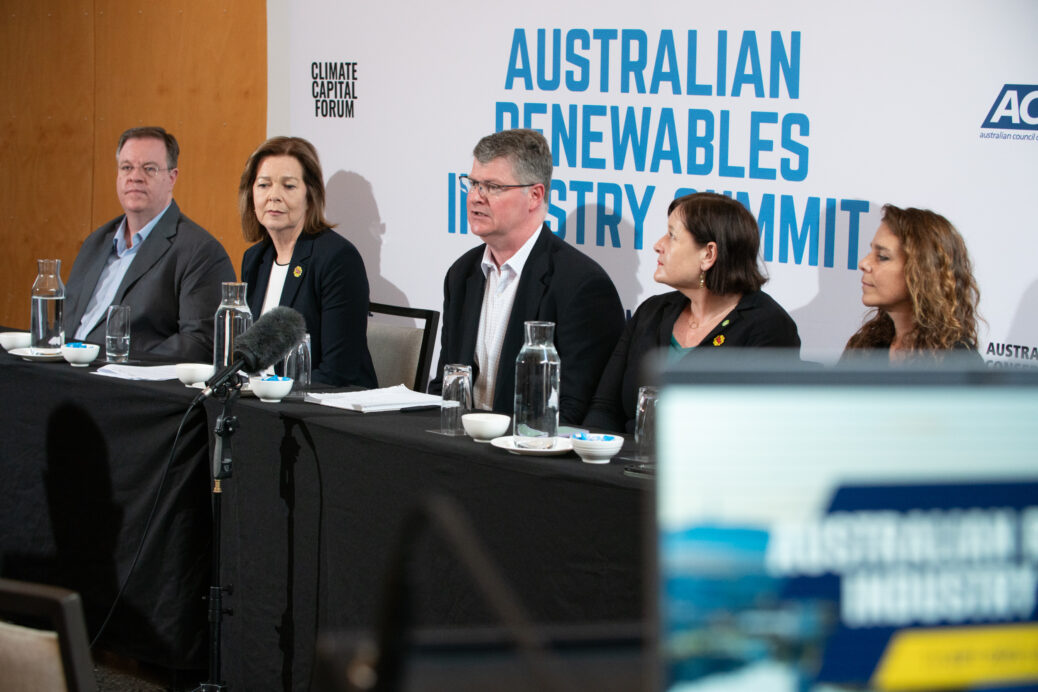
(949, 658)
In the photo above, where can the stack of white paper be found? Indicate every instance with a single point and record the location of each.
(139, 372)
(370, 400)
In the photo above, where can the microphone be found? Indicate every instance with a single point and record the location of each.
(260, 346)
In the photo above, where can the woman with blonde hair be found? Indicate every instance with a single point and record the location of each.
(919, 280)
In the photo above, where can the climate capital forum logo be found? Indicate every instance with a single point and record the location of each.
(333, 86)
(1015, 108)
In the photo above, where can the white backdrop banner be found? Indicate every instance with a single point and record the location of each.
(812, 115)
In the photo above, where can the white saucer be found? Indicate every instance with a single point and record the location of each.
(27, 354)
(562, 445)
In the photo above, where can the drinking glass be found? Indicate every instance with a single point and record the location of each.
(297, 366)
(645, 426)
(117, 334)
(457, 398)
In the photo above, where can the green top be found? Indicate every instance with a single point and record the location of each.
(676, 350)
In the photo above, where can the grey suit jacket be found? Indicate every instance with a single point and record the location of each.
(172, 287)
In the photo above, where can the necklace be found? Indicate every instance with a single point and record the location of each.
(709, 318)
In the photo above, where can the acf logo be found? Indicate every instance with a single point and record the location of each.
(1016, 108)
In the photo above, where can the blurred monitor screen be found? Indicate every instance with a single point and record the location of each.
(846, 528)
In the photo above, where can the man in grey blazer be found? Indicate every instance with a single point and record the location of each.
(523, 272)
(166, 267)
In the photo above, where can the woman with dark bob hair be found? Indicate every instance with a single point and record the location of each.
(709, 255)
(299, 262)
(919, 281)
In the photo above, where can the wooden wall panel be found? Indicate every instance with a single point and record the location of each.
(76, 73)
(46, 141)
(199, 69)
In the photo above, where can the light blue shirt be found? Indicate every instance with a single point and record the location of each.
(116, 266)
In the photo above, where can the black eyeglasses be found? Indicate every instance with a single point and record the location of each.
(150, 170)
(486, 189)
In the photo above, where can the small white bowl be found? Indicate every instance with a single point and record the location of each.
(484, 427)
(271, 389)
(192, 373)
(79, 354)
(596, 449)
(12, 340)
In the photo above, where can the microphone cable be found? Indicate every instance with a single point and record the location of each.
(278, 330)
(147, 526)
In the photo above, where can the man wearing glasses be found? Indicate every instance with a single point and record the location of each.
(166, 267)
(523, 272)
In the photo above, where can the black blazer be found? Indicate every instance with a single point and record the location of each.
(172, 287)
(756, 321)
(559, 284)
(327, 284)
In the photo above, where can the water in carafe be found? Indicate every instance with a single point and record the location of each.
(47, 308)
(233, 317)
(537, 372)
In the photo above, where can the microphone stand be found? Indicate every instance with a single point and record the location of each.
(226, 425)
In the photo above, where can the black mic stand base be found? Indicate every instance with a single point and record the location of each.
(226, 425)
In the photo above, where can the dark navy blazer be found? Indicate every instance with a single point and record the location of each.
(326, 283)
(757, 321)
(559, 284)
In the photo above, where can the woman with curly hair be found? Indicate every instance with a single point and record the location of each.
(919, 279)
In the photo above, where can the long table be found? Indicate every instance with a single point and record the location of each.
(81, 458)
(310, 517)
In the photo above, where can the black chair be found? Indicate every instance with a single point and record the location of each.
(50, 651)
(515, 655)
(401, 352)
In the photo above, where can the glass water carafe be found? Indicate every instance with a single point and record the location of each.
(232, 318)
(535, 421)
(47, 309)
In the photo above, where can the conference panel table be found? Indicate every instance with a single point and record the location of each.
(317, 502)
(81, 458)
(311, 515)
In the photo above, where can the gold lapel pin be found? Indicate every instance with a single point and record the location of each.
(297, 272)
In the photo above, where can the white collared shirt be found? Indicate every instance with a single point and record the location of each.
(498, 298)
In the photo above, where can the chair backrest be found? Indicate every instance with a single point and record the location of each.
(401, 352)
(57, 658)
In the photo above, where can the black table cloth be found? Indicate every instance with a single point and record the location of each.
(310, 516)
(81, 456)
